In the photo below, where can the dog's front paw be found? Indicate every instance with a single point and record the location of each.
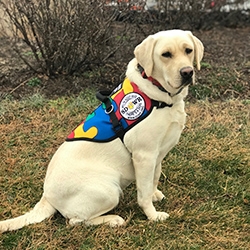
(158, 196)
(159, 216)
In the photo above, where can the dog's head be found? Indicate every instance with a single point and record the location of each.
(168, 57)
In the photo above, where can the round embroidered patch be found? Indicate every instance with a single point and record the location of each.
(132, 106)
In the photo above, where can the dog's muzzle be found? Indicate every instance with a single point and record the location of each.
(186, 75)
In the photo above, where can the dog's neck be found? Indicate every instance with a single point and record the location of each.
(150, 86)
(150, 78)
(155, 82)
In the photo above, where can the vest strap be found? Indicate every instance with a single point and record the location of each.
(104, 97)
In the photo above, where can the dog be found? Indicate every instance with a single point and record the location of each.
(87, 174)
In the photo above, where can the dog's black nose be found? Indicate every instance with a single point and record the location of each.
(186, 72)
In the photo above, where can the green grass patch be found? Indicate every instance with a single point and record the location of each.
(205, 179)
(220, 83)
(34, 82)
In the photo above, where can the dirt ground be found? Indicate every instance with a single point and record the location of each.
(227, 52)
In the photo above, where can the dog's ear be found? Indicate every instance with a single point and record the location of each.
(144, 54)
(198, 50)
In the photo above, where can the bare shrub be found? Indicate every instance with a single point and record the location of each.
(64, 36)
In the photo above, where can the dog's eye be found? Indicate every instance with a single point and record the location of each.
(167, 54)
(188, 51)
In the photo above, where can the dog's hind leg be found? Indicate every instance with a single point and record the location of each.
(112, 220)
(99, 206)
(90, 204)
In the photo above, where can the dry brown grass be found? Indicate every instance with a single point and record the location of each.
(205, 178)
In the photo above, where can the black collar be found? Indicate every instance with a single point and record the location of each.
(162, 105)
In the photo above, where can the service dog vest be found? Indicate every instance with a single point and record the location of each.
(128, 106)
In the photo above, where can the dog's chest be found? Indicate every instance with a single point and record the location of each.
(159, 132)
(172, 128)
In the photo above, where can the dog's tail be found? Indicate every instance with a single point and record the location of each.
(42, 210)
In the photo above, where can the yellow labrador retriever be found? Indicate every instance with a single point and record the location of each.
(87, 174)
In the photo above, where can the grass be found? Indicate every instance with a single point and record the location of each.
(205, 179)
(220, 82)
